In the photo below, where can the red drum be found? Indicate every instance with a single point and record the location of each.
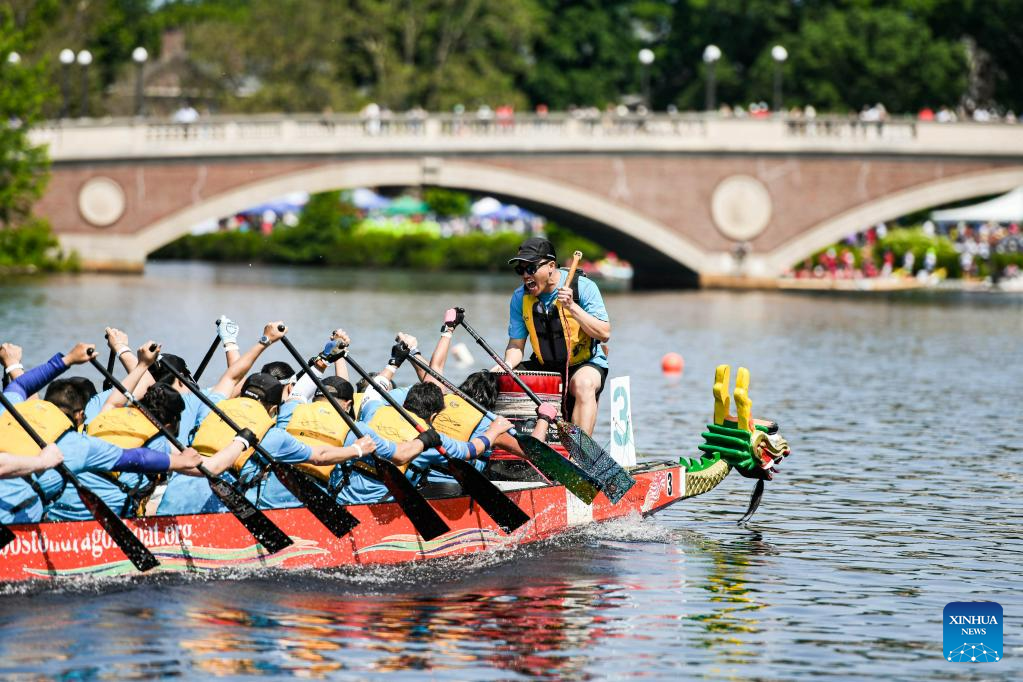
(513, 403)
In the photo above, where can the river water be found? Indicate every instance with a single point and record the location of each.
(902, 494)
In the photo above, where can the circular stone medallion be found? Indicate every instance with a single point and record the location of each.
(101, 201)
(741, 207)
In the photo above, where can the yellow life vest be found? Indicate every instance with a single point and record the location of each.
(45, 417)
(547, 332)
(357, 403)
(318, 424)
(125, 427)
(458, 419)
(390, 425)
(214, 434)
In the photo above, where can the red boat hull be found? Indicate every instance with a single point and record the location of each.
(217, 542)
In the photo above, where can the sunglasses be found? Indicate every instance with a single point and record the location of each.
(531, 268)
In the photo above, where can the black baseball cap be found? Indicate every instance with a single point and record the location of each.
(534, 250)
(341, 389)
(264, 388)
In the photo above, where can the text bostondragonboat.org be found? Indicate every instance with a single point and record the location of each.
(96, 542)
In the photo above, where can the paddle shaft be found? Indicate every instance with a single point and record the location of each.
(137, 553)
(209, 354)
(576, 257)
(110, 368)
(422, 364)
(264, 530)
(424, 518)
(325, 508)
(500, 361)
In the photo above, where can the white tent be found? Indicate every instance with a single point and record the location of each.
(1007, 208)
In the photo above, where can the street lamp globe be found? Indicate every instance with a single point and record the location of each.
(67, 57)
(711, 54)
(646, 57)
(779, 53)
(14, 58)
(85, 58)
(139, 55)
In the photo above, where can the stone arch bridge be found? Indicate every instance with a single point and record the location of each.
(687, 199)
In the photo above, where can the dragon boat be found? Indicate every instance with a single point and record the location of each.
(216, 542)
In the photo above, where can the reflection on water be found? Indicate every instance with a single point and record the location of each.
(903, 494)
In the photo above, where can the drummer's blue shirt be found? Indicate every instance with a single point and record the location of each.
(590, 300)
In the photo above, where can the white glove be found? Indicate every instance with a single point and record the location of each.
(227, 330)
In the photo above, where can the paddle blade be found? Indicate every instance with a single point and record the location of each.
(6, 536)
(494, 502)
(137, 553)
(558, 469)
(254, 520)
(325, 508)
(425, 518)
(614, 480)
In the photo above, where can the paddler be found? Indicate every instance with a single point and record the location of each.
(539, 311)
(58, 419)
(255, 412)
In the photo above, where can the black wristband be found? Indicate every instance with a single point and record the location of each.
(430, 439)
(249, 437)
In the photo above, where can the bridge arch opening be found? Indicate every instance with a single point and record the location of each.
(891, 207)
(660, 257)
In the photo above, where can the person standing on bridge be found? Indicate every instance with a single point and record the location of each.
(540, 311)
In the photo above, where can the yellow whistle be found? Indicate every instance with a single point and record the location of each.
(721, 399)
(743, 405)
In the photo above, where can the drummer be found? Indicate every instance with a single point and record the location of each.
(539, 311)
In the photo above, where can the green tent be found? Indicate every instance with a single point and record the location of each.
(406, 205)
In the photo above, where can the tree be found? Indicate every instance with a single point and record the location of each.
(23, 167)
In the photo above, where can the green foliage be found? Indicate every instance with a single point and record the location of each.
(367, 248)
(446, 202)
(32, 246)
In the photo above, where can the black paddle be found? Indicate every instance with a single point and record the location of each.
(137, 553)
(6, 536)
(254, 520)
(425, 518)
(110, 368)
(492, 499)
(209, 354)
(543, 456)
(614, 480)
(325, 508)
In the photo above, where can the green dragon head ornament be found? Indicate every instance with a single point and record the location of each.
(753, 447)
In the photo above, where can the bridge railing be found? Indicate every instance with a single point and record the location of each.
(439, 133)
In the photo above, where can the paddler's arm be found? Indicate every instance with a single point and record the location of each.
(149, 461)
(10, 358)
(546, 414)
(222, 461)
(117, 341)
(440, 352)
(16, 466)
(36, 378)
(340, 366)
(234, 373)
(326, 454)
(145, 360)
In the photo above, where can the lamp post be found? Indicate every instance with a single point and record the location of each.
(84, 59)
(67, 58)
(139, 55)
(646, 58)
(779, 54)
(711, 54)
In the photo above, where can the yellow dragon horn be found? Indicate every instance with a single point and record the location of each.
(721, 399)
(743, 405)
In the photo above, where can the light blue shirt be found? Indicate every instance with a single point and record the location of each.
(96, 403)
(589, 299)
(372, 403)
(362, 489)
(479, 462)
(193, 414)
(82, 453)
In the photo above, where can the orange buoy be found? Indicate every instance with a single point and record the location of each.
(672, 363)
